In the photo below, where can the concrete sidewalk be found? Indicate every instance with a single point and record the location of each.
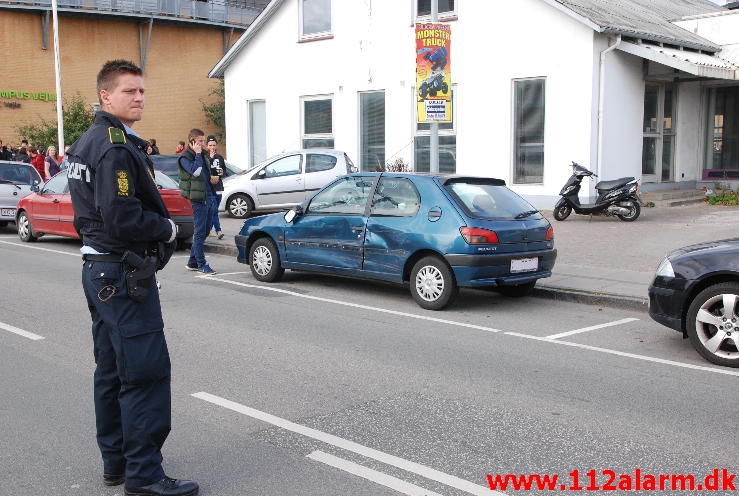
(603, 260)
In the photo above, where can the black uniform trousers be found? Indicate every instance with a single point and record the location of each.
(132, 376)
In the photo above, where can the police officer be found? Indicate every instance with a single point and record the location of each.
(127, 235)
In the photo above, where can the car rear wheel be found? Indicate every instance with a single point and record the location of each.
(25, 230)
(518, 290)
(713, 324)
(264, 260)
(432, 284)
(239, 206)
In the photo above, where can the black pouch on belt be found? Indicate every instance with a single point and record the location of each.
(139, 276)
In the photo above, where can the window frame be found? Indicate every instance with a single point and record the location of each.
(513, 132)
(321, 35)
(360, 130)
(324, 136)
(449, 15)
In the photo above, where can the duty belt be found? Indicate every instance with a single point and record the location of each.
(102, 258)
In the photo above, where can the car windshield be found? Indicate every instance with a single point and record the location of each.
(489, 201)
(165, 182)
(18, 173)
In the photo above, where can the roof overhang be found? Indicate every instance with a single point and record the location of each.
(695, 63)
(220, 68)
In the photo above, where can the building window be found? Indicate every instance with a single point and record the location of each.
(257, 132)
(658, 152)
(447, 143)
(315, 18)
(528, 131)
(372, 131)
(722, 161)
(447, 9)
(317, 121)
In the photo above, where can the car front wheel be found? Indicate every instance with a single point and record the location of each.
(713, 324)
(25, 230)
(264, 260)
(239, 206)
(432, 284)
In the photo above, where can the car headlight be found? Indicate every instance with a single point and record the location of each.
(665, 269)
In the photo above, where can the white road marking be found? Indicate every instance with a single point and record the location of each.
(629, 355)
(483, 328)
(24, 245)
(353, 305)
(20, 332)
(380, 456)
(380, 478)
(591, 328)
(222, 274)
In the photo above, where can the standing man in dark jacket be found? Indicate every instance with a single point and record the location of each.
(126, 235)
(197, 185)
(217, 168)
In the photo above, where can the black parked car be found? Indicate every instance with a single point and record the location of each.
(168, 165)
(696, 292)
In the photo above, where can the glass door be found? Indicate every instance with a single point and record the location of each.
(658, 152)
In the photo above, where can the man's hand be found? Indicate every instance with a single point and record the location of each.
(214, 179)
(196, 147)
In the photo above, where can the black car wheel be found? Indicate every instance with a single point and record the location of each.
(634, 211)
(562, 212)
(239, 206)
(25, 230)
(264, 260)
(517, 291)
(713, 324)
(432, 284)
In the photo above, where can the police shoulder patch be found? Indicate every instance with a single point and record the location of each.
(116, 136)
(122, 180)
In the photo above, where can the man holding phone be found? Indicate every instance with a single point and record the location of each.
(197, 185)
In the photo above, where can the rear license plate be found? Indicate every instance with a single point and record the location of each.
(524, 264)
(7, 212)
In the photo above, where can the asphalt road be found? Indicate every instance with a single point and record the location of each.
(295, 388)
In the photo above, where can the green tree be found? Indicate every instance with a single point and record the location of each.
(76, 115)
(216, 110)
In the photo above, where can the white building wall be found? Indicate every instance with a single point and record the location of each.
(623, 115)
(690, 132)
(373, 49)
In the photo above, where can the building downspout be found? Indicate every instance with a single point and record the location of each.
(601, 100)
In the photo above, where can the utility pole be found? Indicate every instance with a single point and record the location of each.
(58, 75)
(434, 126)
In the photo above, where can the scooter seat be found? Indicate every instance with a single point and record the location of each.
(616, 183)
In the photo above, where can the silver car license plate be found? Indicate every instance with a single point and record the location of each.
(7, 212)
(524, 264)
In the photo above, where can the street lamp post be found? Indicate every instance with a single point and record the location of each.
(58, 77)
(434, 126)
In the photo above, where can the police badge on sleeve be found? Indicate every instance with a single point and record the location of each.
(122, 180)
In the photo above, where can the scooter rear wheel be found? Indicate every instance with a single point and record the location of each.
(633, 214)
(562, 212)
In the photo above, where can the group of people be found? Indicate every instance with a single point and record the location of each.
(201, 182)
(47, 162)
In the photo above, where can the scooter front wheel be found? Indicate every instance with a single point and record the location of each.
(561, 212)
(634, 211)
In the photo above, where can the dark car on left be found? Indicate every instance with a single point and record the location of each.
(696, 292)
(16, 180)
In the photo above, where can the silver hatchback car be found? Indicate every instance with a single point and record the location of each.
(16, 179)
(283, 181)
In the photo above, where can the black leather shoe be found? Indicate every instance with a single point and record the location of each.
(165, 487)
(113, 479)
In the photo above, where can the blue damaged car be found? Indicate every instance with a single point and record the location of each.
(434, 233)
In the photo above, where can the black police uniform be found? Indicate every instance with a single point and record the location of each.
(118, 208)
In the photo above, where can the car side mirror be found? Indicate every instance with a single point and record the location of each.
(35, 187)
(290, 215)
(262, 174)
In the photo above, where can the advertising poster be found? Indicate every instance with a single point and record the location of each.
(433, 72)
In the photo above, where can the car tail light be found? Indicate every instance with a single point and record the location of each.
(474, 235)
(550, 234)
